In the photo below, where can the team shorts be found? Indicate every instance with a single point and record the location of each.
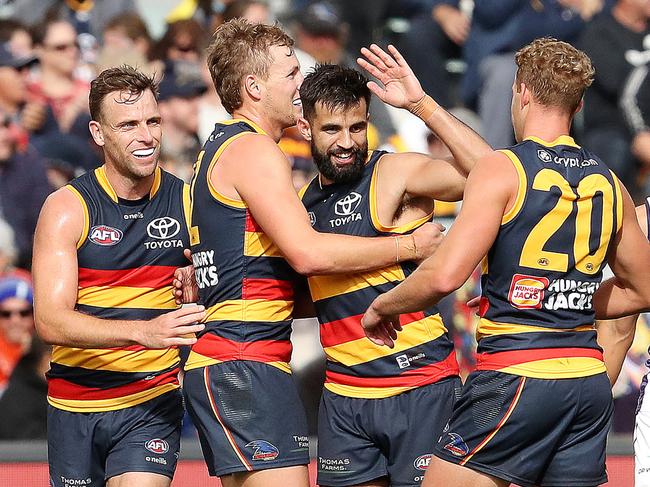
(363, 439)
(642, 439)
(89, 448)
(248, 415)
(531, 431)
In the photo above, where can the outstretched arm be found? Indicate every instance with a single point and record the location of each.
(55, 269)
(402, 89)
(490, 191)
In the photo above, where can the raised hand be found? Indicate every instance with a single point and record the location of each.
(175, 328)
(380, 330)
(401, 88)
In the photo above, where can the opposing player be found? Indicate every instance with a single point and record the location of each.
(248, 230)
(389, 194)
(545, 216)
(106, 248)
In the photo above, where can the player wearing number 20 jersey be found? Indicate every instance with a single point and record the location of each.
(536, 336)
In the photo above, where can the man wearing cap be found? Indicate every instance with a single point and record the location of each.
(16, 324)
(178, 102)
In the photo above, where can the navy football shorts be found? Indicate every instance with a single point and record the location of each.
(89, 448)
(363, 439)
(531, 432)
(248, 415)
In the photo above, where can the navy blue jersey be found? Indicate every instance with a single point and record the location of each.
(355, 366)
(540, 275)
(127, 256)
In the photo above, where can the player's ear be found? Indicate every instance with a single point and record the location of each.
(304, 128)
(252, 87)
(525, 95)
(96, 132)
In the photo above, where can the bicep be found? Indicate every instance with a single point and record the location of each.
(55, 271)
(431, 178)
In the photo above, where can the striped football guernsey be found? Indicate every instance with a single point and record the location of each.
(127, 256)
(539, 277)
(356, 367)
(244, 282)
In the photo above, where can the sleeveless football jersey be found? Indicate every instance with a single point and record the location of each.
(356, 367)
(127, 256)
(244, 282)
(539, 277)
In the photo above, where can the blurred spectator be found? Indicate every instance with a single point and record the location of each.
(23, 406)
(56, 83)
(16, 323)
(608, 41)
(255, 11)
(126, 41)
(180, 90)
(435, 35)
(211, 110)
(17, 37)
(23, 189)
(8, 252)
(321, 32)
(184, 40)
(25, 117)
(499, 28)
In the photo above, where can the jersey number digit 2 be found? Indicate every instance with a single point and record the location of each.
(533, 254)
(195, 238)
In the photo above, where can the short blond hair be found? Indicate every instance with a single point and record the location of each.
(240, 48)
(556, 72)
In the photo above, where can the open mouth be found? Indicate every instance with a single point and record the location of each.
(144, 152)
(297, 102)
(343, 157)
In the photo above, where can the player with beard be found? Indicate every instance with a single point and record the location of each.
(105, 251)
(384, 194)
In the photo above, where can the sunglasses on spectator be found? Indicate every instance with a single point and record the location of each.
(24, 313)
(62, 47)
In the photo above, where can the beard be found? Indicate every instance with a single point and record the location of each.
(346, 174)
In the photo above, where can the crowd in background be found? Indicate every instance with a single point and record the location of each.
(461, 50)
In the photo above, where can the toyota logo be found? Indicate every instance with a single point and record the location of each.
(347, 205)
(162, 228)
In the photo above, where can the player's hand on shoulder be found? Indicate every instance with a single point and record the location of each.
(174, 328)
(427, 238)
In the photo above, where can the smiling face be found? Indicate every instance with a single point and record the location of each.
(339, 141)
(281, 98)
(129, 132)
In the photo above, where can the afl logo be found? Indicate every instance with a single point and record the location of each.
(422, 462)
(544, 156)
(312, 218)
(157, 446)
(163, 228)
(347, 205)
(104, 235)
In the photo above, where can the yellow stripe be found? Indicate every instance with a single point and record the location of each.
(157, 180)
(619, 202)
(365, 392)
(250, 310)
(127, 297)
(116, 360)
(213, 191)
(501, 423)
(561, 140)
(374, 215)
(258, 244)
(323, 287)
(521, 189)
(362, 350)
(487, 328)
(196, 360)
(84, 206)
(187, 206)
(303, 190)
(484, 265)
(100, 174)
(99, 405)
(558, 368)
(233, 121)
